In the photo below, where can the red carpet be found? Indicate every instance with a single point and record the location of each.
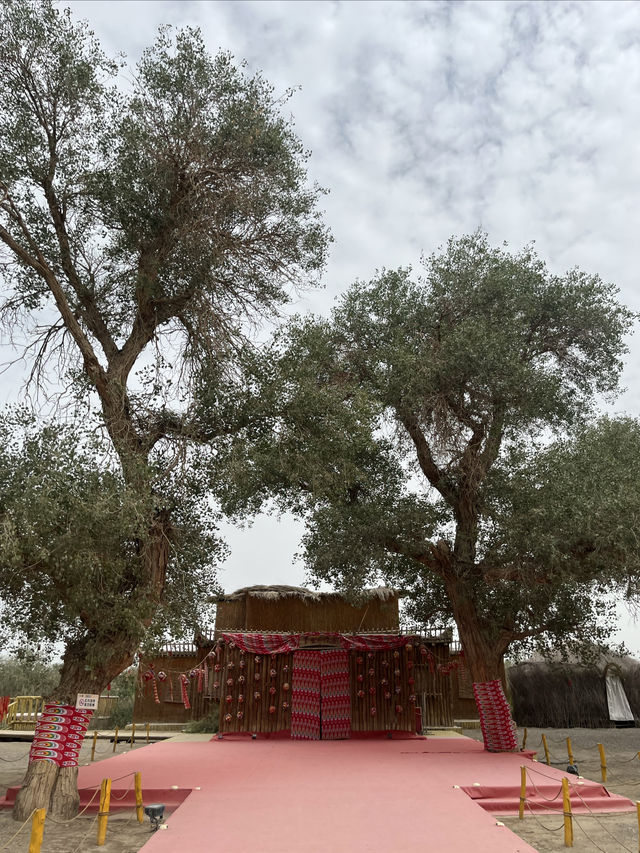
(359, 796)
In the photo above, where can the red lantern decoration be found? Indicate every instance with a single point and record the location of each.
(257, 696)
(387, 694)
(272, 691)
(227, 718)
(240, 715)
(285, 687)
(162, 676)
(372, 672)
(360, 694)
(272, 709)
(398, 709)
(240, 699)
(373, 711)
(285, 706)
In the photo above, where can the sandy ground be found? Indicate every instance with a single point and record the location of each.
(124, 833)
(599, 834)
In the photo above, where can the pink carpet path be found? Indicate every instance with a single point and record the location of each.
(356, 796)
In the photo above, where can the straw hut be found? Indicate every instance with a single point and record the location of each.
(569, 694)
(299, 663)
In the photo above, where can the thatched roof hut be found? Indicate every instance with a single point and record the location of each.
(293, 661)
(570, 694)
(292, 608)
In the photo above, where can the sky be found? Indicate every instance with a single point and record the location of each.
(427, 119)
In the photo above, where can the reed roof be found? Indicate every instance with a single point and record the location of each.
(278, 591)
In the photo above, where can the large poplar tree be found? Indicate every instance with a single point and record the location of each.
(146, 224)
(440, 432)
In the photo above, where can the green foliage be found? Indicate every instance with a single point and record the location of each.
(441, 433)
(205, 724)
(27, 675)
(70, 540)
(124, 687)
(145, 231)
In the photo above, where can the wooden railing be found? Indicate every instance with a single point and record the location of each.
(23, 712)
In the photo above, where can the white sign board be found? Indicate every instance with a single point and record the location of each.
(87, 701)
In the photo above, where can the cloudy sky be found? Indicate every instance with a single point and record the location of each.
(428, 119)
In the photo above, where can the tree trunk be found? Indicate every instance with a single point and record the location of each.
(92, 662)
(46, 785)
(484, 652)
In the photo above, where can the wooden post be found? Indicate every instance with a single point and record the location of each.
(546, 749)
(570, 751)
(93, 746)
(139, 803)
(115, 739)
(103, 814)
(133, 734)
(603, 762)
(523, 791)
(37, 830)
(147, 732)
(524, 739)
(566, 808)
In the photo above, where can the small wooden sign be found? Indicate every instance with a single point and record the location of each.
(87, 701)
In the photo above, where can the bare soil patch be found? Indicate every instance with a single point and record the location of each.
(614, 833)
(124, 833)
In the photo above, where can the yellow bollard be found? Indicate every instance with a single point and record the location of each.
(139, 803)
(523, 791)
(570, 751)
(603, 762)
(147, 732)
(546, 749)
(524, 739)
(37, 830)
(115, 739)
(103, 814)
(93, 746)
(133, 734)
(566, 808)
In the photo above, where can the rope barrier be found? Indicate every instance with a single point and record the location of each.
(16, 834)
(595, 817)
(537, 819)
(83, 839)
(11, 760)
(71, 819)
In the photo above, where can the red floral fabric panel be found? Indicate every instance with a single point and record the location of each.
(336, 695)
(305, 695)
(498, 728)
(59, 734)
(266, 644)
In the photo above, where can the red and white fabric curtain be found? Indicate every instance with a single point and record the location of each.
(336, 695)
(275, 644)
(305, 696)
(320, 695)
